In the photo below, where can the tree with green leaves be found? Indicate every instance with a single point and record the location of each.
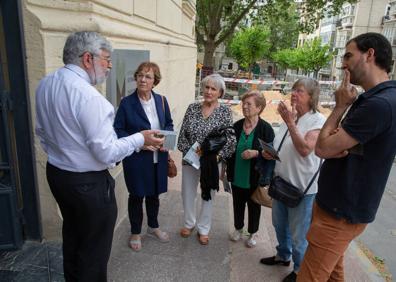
(250, 45)
(283, 22)
(310, 57)
(313, 56)
(217, 19)
(286, 58)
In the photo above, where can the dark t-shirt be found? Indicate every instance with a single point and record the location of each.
(352, 187)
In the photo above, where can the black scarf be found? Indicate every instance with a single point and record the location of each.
(213, 143)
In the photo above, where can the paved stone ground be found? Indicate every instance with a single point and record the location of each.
(35, 262)
(222, 260)
(181, 259)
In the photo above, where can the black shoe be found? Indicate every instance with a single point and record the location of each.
(292, 277)
(273, 261)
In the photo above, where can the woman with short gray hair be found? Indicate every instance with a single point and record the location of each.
(297, 137)
(200, 119)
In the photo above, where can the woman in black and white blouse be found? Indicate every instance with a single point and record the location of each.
(199, 120)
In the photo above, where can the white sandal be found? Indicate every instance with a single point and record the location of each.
(135, 245)
(158, 234)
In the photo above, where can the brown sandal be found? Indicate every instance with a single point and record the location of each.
(186, 232)
(203, 239)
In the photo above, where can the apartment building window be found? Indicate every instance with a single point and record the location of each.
(388, 32)
(393, 41)
(345, 10)
(392, 9)
(352, 10)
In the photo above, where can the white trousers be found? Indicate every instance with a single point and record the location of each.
(190, 181)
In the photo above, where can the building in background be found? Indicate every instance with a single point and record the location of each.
(32, 36)
(389, 30)
(327, 32)
(360, 17)
(354, 19)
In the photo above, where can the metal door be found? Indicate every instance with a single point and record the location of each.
(10, 228)
(19, 205)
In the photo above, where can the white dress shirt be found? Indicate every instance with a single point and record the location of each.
(75, 123)
(151, 112)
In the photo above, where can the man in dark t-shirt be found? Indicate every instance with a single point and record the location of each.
(359, 153)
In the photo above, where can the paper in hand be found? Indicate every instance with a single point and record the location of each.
(170, 139)
(192, 157)
(269, 149)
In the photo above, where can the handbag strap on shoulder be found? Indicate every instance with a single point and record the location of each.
(316, 173)
(163, 108)
(313, 178)
(283, 139)
(163, 103)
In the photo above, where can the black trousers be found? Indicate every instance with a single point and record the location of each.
(241, 197)
(89, 210)
(135, 209)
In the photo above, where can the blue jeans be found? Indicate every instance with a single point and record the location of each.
(291, 227)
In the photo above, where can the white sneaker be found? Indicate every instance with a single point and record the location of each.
(251, 241)
(236, 235)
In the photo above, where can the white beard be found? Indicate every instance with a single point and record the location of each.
(98, 76)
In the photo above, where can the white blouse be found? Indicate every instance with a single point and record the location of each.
(152, 115)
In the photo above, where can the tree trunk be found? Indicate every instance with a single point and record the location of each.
(209, 53)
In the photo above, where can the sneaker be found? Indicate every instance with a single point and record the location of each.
(251, 241)
(292, 277)
(236, 235)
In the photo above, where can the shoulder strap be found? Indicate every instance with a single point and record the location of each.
(163, 109)
(283, 139)
(313, 178)
(316, 173)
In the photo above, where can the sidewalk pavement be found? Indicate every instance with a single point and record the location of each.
(184, 259)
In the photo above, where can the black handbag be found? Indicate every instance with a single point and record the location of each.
(215, 140)
(285, 192)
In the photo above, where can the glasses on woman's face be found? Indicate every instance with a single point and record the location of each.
(146, 76)
(298, 91)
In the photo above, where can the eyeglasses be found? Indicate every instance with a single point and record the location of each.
(146, 76)
(298, 91)
(107, 59)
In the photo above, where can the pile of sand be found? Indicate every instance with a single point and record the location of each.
(270, 113)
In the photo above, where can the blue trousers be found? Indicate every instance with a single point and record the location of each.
(291, 227)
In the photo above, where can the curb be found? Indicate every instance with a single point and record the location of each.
(369, 268)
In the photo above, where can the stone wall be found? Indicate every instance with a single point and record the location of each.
(164, 27)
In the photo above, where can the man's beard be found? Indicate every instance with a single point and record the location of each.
(357, 73)
(99, 75)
